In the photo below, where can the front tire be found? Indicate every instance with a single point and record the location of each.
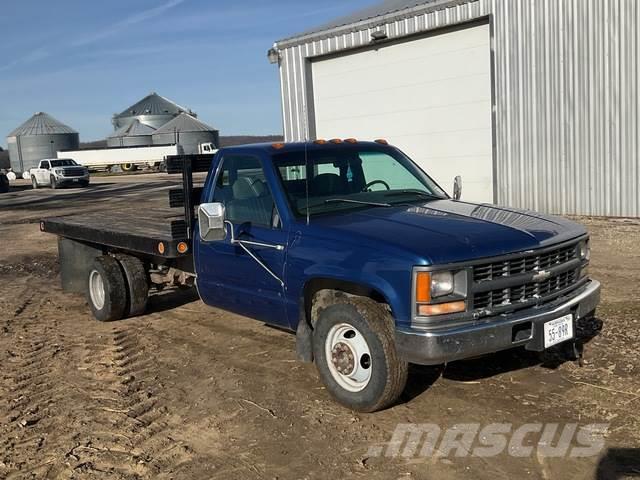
(53, 183)
(34, 183)
(107, 289)
(355, 354)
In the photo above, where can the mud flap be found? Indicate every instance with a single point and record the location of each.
(75, 260)
(304, 347)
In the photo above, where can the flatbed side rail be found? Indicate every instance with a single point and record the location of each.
(188, 197)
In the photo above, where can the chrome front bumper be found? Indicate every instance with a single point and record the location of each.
(523, 328)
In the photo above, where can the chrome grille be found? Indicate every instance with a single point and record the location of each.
(525, 293)
(73, 172)
(492, 271)
(511, 283)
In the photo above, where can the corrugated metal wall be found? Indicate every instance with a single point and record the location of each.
(567, 98)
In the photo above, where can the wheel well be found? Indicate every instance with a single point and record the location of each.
(332, 286)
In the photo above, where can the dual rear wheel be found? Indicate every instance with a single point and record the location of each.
(118, 287)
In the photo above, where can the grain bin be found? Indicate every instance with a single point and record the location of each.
(39, 137)
(132, 135)
(153, 110)
(186, 131)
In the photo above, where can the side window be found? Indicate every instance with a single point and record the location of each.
(46, 164)
(242, 188)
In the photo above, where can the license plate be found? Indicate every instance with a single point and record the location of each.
(76, 180)
(558, 330)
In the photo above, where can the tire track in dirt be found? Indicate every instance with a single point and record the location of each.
(80, 402)
(31, 391)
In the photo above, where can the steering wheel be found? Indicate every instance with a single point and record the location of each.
(371, 184)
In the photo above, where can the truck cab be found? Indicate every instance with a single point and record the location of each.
(374, 265)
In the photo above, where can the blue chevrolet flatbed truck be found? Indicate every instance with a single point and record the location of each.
(351, 246)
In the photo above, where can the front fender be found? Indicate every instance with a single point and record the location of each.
(392, 286)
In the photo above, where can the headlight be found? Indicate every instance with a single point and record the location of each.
(584, 249)
(438, 293)
(441, 284)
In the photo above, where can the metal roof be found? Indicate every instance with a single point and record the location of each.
(41, 124)
(153, 104)
(369, 16)
(184, 123)
(134, 129)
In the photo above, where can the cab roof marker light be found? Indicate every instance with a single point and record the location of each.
(320, 141)
(381, 141)
(278, 146)
(335, 140)
(350, 140)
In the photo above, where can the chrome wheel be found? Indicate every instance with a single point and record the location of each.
(348, 357)
(96, 290)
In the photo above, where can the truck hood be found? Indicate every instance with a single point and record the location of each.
(447, 231)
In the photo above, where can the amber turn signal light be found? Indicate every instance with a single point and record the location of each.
(423, 287)
(441, 309)
(278, 146)
(183, 247)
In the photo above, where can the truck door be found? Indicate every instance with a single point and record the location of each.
(245, 280)
(42, 174)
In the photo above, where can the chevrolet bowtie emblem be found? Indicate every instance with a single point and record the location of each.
(541, 276)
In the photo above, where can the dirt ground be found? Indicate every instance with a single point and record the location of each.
(190, 392)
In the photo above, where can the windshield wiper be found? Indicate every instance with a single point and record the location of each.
(347, 200)
(360, 202)
(414, 192)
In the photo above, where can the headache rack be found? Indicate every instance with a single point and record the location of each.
(523, 280)
(187, 197)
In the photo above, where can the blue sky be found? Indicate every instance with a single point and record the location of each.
(82, 61)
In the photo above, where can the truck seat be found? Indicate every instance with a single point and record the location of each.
(250, 202)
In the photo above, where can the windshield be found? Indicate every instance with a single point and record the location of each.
(352, 178)
(63, 163)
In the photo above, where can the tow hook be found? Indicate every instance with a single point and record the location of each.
(574, 351)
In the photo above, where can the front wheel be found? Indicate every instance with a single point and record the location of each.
(34, 183)
(53, 183)
(355, 354)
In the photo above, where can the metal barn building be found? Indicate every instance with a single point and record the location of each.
(536, 104)
(39, 137)
(186, 131)
(153, 110)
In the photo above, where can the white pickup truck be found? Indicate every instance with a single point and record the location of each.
(57, 172)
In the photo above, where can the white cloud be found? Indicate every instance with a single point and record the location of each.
(42, 53)
(127, 22)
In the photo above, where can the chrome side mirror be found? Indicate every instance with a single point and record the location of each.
(211, 222)
(457, 187)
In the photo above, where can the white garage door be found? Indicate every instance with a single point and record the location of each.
(431, 97)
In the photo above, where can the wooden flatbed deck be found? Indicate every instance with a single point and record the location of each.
(136, 230)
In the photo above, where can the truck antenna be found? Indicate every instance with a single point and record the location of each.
(306, 162)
